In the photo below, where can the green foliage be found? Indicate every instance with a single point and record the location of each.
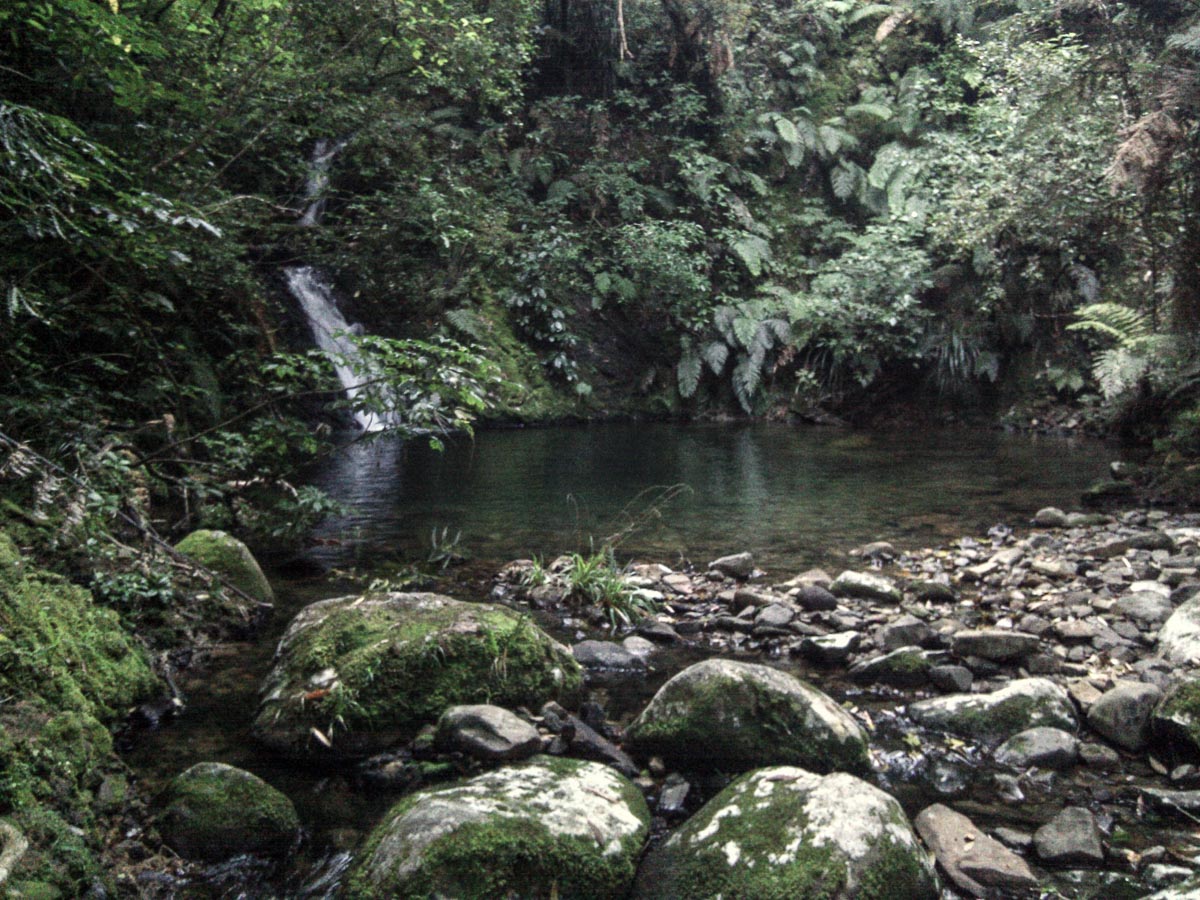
(598, 581)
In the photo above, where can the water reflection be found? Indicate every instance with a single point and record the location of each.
(789, 494)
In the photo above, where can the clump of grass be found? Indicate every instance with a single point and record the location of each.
(598, 580)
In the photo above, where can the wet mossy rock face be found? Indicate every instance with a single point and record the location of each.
(1176, 721)
(229, 558)
(546, 828)
(993, 718)
(782, 833)
(734, 716)
(67, 668)
(214, 811)
(368, 671)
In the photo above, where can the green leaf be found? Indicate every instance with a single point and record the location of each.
(880, 111)
(688, 373)
(753, 251)
(866, 12)
(716, 354)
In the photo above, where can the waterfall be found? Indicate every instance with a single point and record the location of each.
(329, 327)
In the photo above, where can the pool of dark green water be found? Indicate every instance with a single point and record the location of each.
(795, 497)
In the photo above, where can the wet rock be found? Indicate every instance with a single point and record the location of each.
(1179, 637)
(585, 742)
(904, 667)
(977, 864)
(995, 644)
(606, 655)
(485, 732)
(830, 649)
(1122, 715)
(787, 832)
(229, 558)
(737, 565)
(951, 679)
(389, 663)
(733, 716)
(659, 632)
(865, 586)
(639, 647)
(214, 811)
(814, 598)
(1046, 748)
(672, 801)
(1050, 517)
(1176, 720)
(994, 717)
(1070, 839)
(933, 592)
(510, 832)
(1098, 756)
(905, 631)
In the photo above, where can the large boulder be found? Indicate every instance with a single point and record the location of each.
(214, 811)
(353, 675)
(229, 558)
(733, 716)
(1179, 637)
(992, 718)
(784, 832)
(545, 828)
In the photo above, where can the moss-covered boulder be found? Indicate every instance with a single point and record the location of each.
(782, 833)
(231, 559)
(545, 828)
(733, 716)
(353, 675)
(1175, 722)
(995, 717)
(60, 650)
(1179, 637)
(214, 811)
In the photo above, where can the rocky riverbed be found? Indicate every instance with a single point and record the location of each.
(1015, 714)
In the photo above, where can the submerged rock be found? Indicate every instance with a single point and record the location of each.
(355, 674)
(785, 832)
(229, 558)
(991, 718)
(721, 714)
(977, 864)
(214, 811)
(545, 827)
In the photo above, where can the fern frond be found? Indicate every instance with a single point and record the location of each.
(1123, 324)
(1118, 370)
(688, 373)
(747, 376)
(716, 354)
(469, 323)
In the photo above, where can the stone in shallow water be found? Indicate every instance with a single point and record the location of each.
(736, 565)
(905, 631)
(904, 667)
(991, 718)
(511, 832)
(976, 863)
(214, 811)
(830, 649)
(1070, 839)
(487, 732)
(815, 598)
(722, 714)
(865, 586)
(994, 644)
(606, 655)
(786, 832)
(1046, 748)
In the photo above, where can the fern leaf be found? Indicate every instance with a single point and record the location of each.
(716, 354)
(723, 319)
(746, 378)
(1188, 41)
(845, 180)
(781, 328)
(469, 323)
(688, 373)
(880, 111)
(744, 329)
(1123, 324)
(871, 9)
(787, 131)
(753, 251)
(1118, 369)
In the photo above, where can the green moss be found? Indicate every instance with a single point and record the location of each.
(695, 726)
(229, 558)
(400, 664)
(510, 856)
(1177, 721)
(214, 811)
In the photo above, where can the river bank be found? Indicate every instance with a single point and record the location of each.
(1085, 612)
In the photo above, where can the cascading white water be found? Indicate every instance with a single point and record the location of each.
(329, 327)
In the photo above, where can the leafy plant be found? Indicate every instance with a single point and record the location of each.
(597, 580)
(444, 550)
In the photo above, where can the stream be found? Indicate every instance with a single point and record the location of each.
(795, 497)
